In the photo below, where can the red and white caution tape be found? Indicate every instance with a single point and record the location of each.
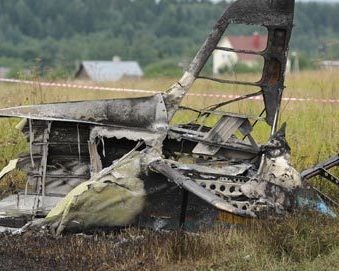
(206, 95)
(259, 98)
(78, 86)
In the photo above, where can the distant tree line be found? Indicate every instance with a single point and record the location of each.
(56, 34)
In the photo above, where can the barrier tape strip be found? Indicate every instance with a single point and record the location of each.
(214, 95)
(67, 85)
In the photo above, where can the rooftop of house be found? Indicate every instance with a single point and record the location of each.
(333, 63)
(110, 70)
(254, 42)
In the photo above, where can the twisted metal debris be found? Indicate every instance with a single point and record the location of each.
(111, 163)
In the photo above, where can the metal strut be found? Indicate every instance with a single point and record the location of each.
(183, 209)
(321, 169)
(333, 179)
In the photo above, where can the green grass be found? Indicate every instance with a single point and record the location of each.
(300, 242)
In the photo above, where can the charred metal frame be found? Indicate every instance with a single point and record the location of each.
(277, 17)
(321, 170)
(225, 174)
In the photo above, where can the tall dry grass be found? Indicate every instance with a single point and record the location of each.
(312, 127)
(299, 242)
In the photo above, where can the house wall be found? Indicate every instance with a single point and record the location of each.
(223, 59)
(82, 75)
(4, 72)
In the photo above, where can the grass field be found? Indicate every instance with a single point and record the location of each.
(301, 242)
(312, 128)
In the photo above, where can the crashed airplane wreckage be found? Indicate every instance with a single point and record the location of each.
(108, 163)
